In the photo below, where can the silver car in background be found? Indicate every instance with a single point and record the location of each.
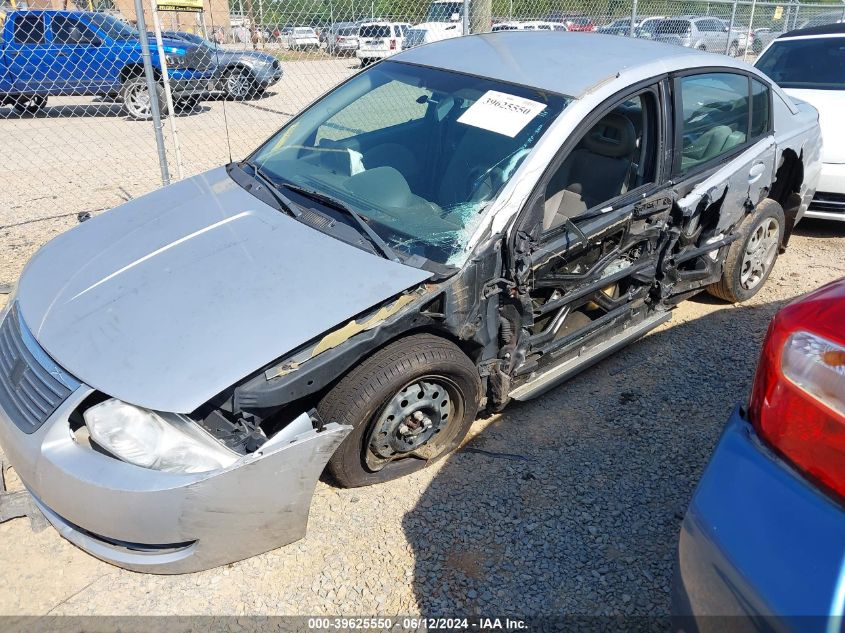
(702, 33)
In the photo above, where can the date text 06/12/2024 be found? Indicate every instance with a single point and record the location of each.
(417, 624)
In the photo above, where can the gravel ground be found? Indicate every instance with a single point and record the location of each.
(569, 504)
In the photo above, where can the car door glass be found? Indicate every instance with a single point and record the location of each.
(615, 156)
(29, 29)
(714, 116)
(760, 108)
(67, 29)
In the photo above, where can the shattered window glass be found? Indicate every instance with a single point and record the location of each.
(418, 152)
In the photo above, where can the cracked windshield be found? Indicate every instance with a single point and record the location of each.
(417, 152)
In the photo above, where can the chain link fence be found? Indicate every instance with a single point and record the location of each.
(104, 100)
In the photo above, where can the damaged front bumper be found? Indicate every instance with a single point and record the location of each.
(167, 523)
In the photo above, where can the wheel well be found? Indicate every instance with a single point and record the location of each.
(787, 187)
(135, 70)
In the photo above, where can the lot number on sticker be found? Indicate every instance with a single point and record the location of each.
(501, 113)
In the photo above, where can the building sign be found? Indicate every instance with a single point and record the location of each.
(179, 5)
(778, 13)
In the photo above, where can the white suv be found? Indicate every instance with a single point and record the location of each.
(377, 40)
(809, 64)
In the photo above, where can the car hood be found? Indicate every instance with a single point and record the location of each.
(831, 105)
(167, 300)
(223, 57)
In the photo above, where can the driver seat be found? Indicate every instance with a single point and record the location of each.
(596, 171)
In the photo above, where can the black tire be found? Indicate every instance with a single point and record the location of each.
(29, 105)
(737, 283)
(133, 92)
(401, 371)
(733, 50)
(702, 47)
(756, 46)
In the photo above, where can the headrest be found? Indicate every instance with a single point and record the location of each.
(613, 136)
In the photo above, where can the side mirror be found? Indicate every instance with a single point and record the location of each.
(727, 30)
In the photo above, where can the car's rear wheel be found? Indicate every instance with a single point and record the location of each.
(29, 105)
(409, 404)
(733, 50)
(752, 256)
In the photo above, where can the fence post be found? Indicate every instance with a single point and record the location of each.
(748, 35)
(731, 29)
(465, 17)
(168, 95)
(633, 19)
(153, 92)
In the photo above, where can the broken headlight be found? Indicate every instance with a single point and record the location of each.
(159, 441)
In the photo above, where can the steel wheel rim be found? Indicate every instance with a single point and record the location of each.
(238, 84)
(138, 100)
(439, 402)
(760, 253)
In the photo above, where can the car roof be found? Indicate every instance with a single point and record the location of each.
(825, 29)
(591, 59)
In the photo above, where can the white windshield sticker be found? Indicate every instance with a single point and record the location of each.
(501, 113)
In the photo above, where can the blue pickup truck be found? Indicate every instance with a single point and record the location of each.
(63, 53)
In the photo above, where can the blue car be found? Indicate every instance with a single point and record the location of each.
(75, 53)
(764, 535)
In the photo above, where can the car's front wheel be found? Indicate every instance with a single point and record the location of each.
(752, 256)
(239, 84)
(409, 404)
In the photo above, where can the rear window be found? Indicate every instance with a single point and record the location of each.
(347, 31)
(812, 64)
(375, 30)
(672, 27)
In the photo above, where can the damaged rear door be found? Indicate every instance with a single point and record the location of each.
(585, 251)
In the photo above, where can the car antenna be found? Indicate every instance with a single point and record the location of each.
(216, 61)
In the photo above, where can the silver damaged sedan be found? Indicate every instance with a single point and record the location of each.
(470, 222)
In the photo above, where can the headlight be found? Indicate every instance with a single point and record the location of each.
(175, 61)
(159, 441)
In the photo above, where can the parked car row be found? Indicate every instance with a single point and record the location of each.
(77, 53)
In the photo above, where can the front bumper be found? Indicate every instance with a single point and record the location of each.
(829, 201)
(374, 53)
(267, 75)
(167, 523)
(758, 541)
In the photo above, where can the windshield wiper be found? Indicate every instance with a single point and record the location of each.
(282, 202)
(338, 205)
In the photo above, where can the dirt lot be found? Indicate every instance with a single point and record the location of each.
(569, 504)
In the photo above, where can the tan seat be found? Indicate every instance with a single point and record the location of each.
(596, 171)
